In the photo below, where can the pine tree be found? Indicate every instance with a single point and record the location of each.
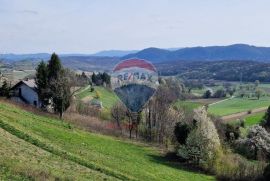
(4, 90)
(54, 67)
(94, 78)
(42, 83)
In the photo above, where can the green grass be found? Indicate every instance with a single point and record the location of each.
(254, 119)
(107, 97)
(187, 105)
(236, 105)
(102, 155)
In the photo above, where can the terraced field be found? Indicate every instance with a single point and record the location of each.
(34, 146)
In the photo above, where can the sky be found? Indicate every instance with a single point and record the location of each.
(88, 26)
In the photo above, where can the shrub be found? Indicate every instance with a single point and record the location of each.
(219, 93)
(230, 166)
(97, 96)
(256, 145)
(207, 94)
(232, 132)
(266, 119)
(202, 143)
(181, 132)
(92, 89)
(266, 172)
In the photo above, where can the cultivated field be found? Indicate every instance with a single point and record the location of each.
(43, 147)
(236, 105)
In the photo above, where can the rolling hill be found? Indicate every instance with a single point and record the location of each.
(44, 148)
(211, 53)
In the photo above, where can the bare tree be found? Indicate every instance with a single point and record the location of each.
(118, 113)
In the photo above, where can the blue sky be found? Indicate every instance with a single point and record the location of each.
(87, 26)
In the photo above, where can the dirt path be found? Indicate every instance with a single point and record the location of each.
(239, 115)
(221, 101)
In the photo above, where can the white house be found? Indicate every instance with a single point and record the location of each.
(25, 91)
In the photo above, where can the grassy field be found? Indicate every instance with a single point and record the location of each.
(236, 105)
(46, 147)
(187, 105)
(254, 119)
(107, 97)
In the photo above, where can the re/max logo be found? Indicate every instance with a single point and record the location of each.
(134, 76)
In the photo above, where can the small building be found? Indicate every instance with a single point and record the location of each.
(25, 91)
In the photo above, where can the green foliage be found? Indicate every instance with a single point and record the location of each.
(266, 172)
(207, 94)
(54, 83)
(232, 132)
(54, 67)
(219, 93)
(266, 119)
(256, 145)
(42, 83)
(101, 78)
(181, 132)
(5, 89)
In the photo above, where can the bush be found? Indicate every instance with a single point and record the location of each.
(181, 132)
(256, 145)
(232, 132)
(219, 93)
(230, 166)
(207, 94)
(92, 89)
(266, 173)
(202, 143)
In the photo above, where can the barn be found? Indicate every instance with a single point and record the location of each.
(25, 91)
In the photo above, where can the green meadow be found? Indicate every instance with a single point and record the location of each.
(236, 105)
(34, 146)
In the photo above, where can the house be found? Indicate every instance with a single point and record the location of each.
(25, 91)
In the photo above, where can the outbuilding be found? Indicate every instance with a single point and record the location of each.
(25, 91)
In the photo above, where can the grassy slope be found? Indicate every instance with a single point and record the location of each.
(236, 105)
(20, 160)
(254, 119)
(106, 153)
(108, 98)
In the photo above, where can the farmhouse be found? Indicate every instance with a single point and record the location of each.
(25, 91)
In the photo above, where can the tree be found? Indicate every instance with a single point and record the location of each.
(42, 83)
(4, 90)
(219, 93)
(118, 113)
(256, 144)
(258, 93)
(203, 142)
(257, 82)
(60, 88)
(54, 67)
(266, 119)
(207, 94)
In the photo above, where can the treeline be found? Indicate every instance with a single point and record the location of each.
(248, 71)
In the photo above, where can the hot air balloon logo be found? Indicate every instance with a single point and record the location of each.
(134, 81)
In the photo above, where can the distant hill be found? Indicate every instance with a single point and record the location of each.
(114, 53)
(17, 57)
(211, 53)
